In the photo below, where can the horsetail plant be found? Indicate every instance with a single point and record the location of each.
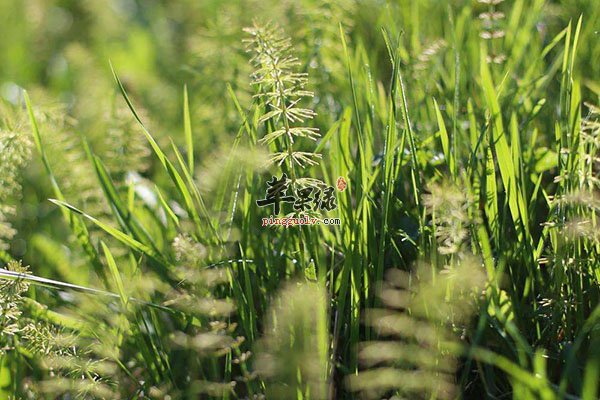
(492, 30)
(282, 88)
(418, 333)
(15, 150)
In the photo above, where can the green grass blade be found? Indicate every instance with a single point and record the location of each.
(114, 271)
(498, 140)
(187, 123)
(444, 137)
(161, 263)
(77, 225)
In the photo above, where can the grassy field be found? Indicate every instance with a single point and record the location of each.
(158, 158)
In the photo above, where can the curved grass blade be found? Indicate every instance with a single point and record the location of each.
(59, 285)
(161, 265)
(78, 227)
(114, 271)
(187, 124)
(175, 176)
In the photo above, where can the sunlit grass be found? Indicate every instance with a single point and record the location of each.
(467, 263)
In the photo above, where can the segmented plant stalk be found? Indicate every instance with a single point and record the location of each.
(15, 149)
(282, 87)
(492, 30)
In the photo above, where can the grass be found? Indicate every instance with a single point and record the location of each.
(467, 261)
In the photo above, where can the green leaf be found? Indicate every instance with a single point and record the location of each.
(189, 141)
(498, 141)
(160, 263)
(444, 137)
(114, 271)
(175, 176)
(77, 225)
(126, 219)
